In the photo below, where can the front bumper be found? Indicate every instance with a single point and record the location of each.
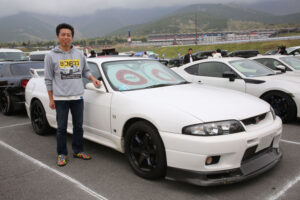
(241, 155)
(260, 163)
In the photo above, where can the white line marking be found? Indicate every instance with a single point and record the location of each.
(286, 188)
(14, 125)
(291, 142)
(72, 180)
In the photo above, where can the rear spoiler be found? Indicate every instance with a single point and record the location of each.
(34, 72)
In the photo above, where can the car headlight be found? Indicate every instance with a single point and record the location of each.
(214, 128)
(273, 113)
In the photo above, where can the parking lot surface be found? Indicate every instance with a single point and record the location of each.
(28, 170)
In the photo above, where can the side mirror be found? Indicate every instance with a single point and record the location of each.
(228, 74)
(281, 68)
(90, 86)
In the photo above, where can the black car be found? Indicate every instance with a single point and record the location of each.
(200, 55)
(14, 77)
(243, 53)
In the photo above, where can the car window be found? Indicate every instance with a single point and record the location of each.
(250, 68)
(213, 69)
(293, 62)
(269, 62)
(22, 69)
(95, 72)
(192, 69)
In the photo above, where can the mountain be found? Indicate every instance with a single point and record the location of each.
(210, 17)
(33, 26)
(275, 7)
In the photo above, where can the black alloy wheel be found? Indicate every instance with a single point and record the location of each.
(145, 150)
(38, 118)
(283, 105)
(6, 103)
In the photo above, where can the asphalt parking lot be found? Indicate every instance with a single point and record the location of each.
(28, 171)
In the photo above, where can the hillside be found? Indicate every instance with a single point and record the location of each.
(141, 22)
(33, 26)
(212, 17)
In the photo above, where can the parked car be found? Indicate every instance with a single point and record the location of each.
(243, 53)
(199, 55)
(12, 55)
(280, 62)
(271, 52)
(168, 126)
(293, 50)
(38, 55)
(13, 79)
(282, 91)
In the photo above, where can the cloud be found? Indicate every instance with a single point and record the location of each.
(81, 7)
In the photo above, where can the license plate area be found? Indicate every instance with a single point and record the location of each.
(264, 142)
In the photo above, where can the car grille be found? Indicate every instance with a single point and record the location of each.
(254, 120)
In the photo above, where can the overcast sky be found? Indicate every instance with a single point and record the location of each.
(80, 7)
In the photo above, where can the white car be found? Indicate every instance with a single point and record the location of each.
(282, 91)
(12, 55)
(279, 62)
(168, 126)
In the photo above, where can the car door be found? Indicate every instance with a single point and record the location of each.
(211, 73)
(96, 106)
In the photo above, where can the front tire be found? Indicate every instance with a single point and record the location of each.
(145, 151)
(283, 105)
(6, 104)
(38, 118)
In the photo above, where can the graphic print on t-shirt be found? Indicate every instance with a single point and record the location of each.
(70, 69)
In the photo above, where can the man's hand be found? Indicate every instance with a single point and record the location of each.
(52, 104)
(96, 83)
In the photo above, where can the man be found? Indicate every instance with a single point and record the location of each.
(64, 68)
(188, 57)
(217, 54)
(93, 54)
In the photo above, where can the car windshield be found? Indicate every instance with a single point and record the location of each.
(139, 74)
(22, 69)
(250, 68)
(292, 61)
(12, 56)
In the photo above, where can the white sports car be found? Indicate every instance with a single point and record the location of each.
(282, 91)
(280, 62)
(168, 126)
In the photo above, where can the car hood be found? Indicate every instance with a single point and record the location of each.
(206, 103)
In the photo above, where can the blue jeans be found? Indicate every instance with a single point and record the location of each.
(62, 111)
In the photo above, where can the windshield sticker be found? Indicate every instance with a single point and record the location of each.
(130, 78)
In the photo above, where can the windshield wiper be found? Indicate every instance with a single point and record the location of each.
(159, 85)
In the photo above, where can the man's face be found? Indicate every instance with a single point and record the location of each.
(65, 37)
(190, 52)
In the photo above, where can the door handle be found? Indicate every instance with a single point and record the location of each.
(199, 81)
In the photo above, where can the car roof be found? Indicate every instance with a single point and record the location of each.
(277, 56)
(39, 52)
(9, 50)
(18, 62)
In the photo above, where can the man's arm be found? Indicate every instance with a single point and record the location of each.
(51, 101)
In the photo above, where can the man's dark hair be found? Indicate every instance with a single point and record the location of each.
(190, 49)
(219, 50)
(66, 26)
